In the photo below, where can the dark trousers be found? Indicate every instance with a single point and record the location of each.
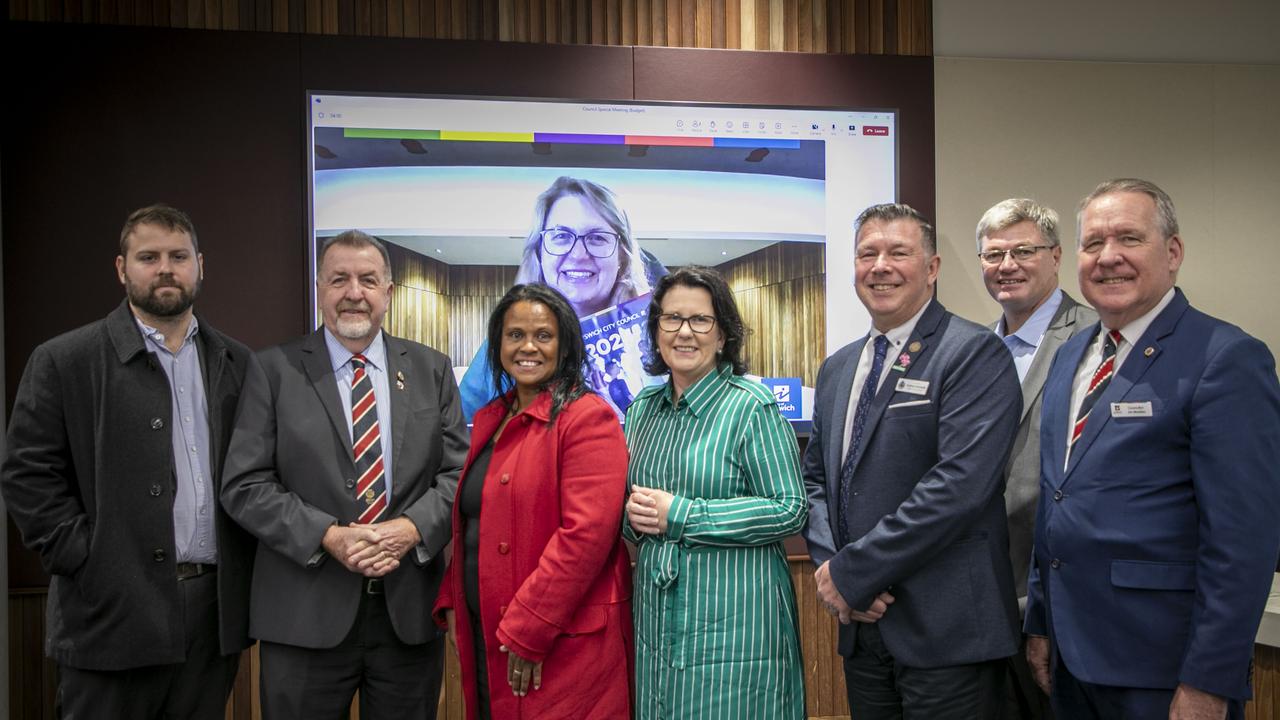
(196, 688)
(396, 681)
(483, 708)
(1079, 700)
(1024, 700)
(880, 688)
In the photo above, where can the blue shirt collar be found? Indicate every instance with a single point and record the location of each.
(155, 336)
(375, 353)
(1032, 331)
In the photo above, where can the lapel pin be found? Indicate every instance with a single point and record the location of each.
(1149, 352)
(399, 380)
(914, 347)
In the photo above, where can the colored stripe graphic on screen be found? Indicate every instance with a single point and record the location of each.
(570, 138)
(380, 134)
(580, 138)
(475, 136)
(758, 143)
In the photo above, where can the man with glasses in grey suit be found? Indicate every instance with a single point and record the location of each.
(1020, 256)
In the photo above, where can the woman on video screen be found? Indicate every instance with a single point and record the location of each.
(579, 243)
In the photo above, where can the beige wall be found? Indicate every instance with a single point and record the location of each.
(1207, 134)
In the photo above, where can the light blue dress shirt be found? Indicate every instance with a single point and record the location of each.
(376, 366)
(193, 511)
(1024, 343)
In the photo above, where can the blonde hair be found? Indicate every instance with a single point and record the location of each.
(631, 281)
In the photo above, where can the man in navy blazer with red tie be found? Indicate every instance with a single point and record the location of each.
(1157, 532)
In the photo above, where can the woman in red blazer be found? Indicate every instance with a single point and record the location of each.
(537, 596)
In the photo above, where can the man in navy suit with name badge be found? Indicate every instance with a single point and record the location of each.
(1157, 530)
(905, 476)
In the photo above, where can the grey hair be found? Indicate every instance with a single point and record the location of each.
(1007, 213)
(1166, 216)
(888, 212)
(355, 239)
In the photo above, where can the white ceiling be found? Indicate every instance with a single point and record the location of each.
(1186, 31)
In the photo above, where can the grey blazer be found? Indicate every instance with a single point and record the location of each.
(1022, 484)
(290, 475)
(926, 510)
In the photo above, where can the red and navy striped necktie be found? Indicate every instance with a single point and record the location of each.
(1097, 386)
(371, 488)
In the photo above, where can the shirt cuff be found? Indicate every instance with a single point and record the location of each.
(677, 516)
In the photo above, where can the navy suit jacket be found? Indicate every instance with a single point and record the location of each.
(926, 509)
(1155, 549)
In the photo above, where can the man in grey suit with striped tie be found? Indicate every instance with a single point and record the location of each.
(343, 463)
(1019, 252)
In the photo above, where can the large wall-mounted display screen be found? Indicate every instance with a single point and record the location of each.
(600, 200)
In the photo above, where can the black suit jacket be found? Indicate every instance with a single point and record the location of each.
(89, 481)
(291, 474)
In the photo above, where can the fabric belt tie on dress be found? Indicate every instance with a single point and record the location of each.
(666, 565)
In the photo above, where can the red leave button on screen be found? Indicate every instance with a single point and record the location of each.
(875, 130)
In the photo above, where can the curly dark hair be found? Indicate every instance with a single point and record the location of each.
(566, 383)
(728, 319)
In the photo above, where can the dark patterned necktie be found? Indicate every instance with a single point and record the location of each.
(1097, 386)
(868, 393)
(371, 488)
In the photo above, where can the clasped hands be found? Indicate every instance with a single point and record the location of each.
(836, 605)
(647, 510)
(371, 550)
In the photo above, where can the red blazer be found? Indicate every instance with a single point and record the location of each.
(555, 577)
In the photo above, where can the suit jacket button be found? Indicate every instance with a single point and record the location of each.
(350, 483)
(1057, 494)
(157, 423)
(1055, 563)
(504, 479)
(158, 555)
(155, 490)
(503, 548)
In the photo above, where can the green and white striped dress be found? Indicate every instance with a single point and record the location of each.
(715, 614)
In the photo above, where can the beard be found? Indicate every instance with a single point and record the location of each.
(353, 328)
(151, 302)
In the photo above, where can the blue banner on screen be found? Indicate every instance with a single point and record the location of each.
(787, 393)
(616, 345)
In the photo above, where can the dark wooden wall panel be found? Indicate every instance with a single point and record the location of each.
(113, 119)
(892, 27)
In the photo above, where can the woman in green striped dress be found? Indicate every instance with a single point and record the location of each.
(715, 478)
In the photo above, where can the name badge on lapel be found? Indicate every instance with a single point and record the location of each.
(912, 387)
(1131, 409)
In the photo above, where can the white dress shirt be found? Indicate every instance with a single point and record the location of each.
(1129, 334)
(897, 339)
